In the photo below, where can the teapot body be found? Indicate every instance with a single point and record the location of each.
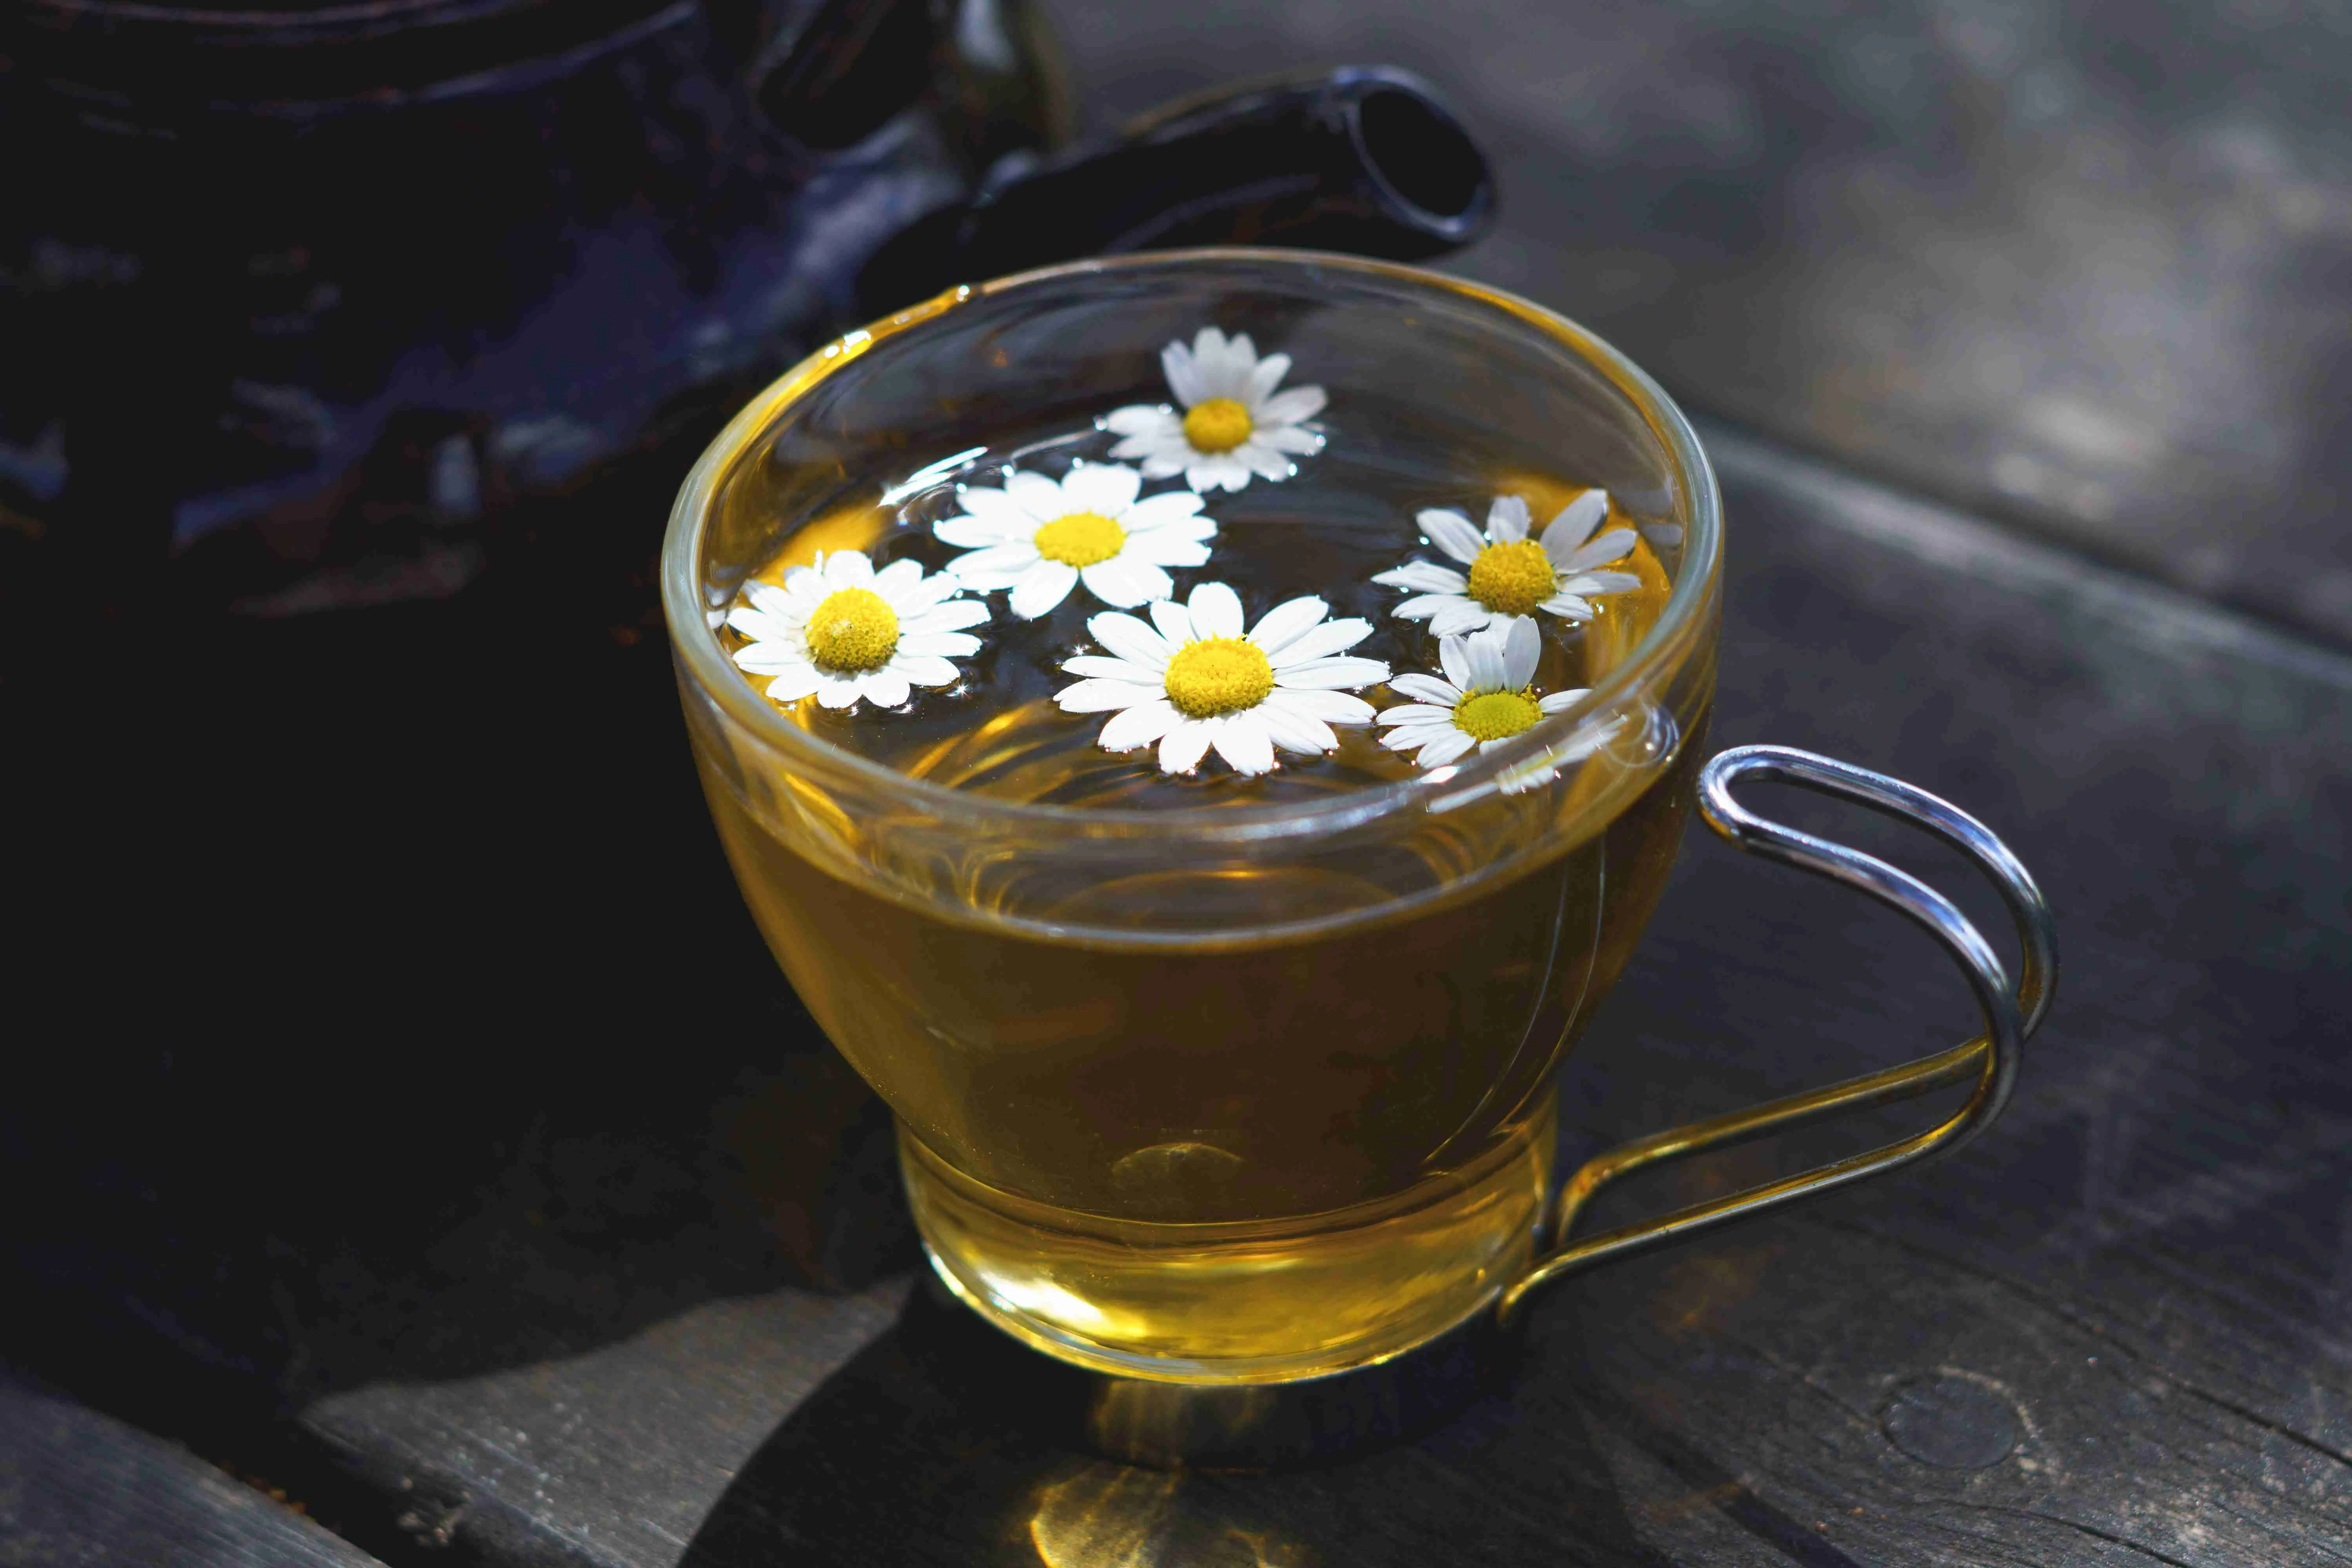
(308, 309)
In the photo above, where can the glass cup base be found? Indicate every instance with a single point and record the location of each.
(1252, 1303)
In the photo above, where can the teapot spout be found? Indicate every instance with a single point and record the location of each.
(1363, 158)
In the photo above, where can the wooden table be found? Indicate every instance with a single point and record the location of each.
(437, 1143)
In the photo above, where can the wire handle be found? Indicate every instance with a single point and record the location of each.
(2009, 1016)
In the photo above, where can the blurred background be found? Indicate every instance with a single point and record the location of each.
(2082, 264)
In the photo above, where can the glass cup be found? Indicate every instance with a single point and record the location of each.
(1260, 1096)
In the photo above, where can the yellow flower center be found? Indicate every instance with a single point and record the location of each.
(854, 629)
(1081, 539)
(1218, 675)
(1512, 579)
(1218, 424)
(1497, 715)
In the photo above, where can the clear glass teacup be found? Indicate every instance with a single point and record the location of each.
(1238, 1076)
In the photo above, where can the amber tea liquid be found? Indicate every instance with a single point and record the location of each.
(1315, 1126)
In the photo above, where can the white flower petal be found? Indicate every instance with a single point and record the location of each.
(1107, 490)
(990, 504)
(1507, 519)
(1184, 372)
(1140, 725)
(1601, 582)
(896, 580)
(1460, 617)
(1428, 689)
(1332, 674)
(1175, 624)
(796, 683)
(1414, 713)
(1301, 402)
(1131, 640)
(1104, 668)
(1455, 655)
(805, 585)
(939, 645)
(1035, 494)
(1105, 696)
(838, 691)
(1142, 418)
(923, 669)
(1295, 439)
(1162, 461)
(1568, 606)
(1042, 588)
(1223, 470)
(968, 532)
(1216, 610)
(1242, 740)
(1127, 581)
(1167, 508)
(1264, 461)
(1331, 707)
(1424, 577)
(1182, 749)
(1452, 533)
(1575, 523)
(769, 659)
(1562, 701)
(1319, 642)
(1264, 378)
(759, 626)
(1521, 648)
(886, 686)
(1225, 363)
(848, 569)
(1284, 623)
(1485, 655)
(769, 600)
(1454, 743)
(921, 597)
(953, 615)
(1413, 737)
(1422, 606)
(998, 566)
(1296, 732)
(1608, 547)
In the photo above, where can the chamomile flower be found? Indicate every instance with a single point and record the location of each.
(1487, 697)
(1192, 679)
(1234, 423)
(1511, 575)
(842, 632)
(1042, 539)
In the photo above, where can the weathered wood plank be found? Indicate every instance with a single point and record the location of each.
(1978, 250)
(79, 1488)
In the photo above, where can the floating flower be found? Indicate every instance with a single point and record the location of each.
(1041, 539)
(841, 631)
(1510, 575)
(1234, 423)
(1193, 679)
(1487, 698)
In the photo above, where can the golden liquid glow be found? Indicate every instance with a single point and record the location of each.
(1309, 1140)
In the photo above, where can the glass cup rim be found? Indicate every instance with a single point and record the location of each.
(695, 646)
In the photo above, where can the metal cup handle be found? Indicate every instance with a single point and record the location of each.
(2011, 1016)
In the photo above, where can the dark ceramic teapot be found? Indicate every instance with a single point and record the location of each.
(311, 306)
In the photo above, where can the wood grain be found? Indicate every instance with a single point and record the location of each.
(79, 1488)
